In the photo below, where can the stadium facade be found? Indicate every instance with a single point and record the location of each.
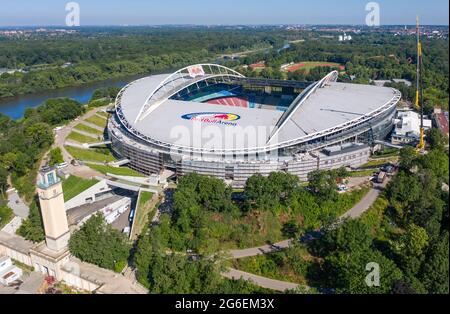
(214, 121)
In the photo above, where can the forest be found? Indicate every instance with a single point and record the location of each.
(405, 232)
(100, 54)
(96, 54)
(23, 142)
(367, 57)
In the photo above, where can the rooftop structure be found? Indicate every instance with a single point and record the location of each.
(441, 120)
(407, 127)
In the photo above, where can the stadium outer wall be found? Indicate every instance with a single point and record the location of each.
(299, 160)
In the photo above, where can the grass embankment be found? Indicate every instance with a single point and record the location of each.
(73, 186)
(122, 171)
(88, 129)
(378, 162)
(387, 152)
(26, 269)
(97, 120)
(145, 210)
(362, 173)
(97, 155)
(289, 265)
(103, 114)
(373, 217)
(81, 138)
(293, 264)
(6, 215)
(309, 65)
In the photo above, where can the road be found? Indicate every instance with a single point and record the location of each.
(263, 282)
(17, 205)
(365, 203)
(260, 249)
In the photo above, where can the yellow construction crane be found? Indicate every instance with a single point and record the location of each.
(419, 91)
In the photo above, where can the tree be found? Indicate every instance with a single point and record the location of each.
(175, 274)
(407, 157)
(323, 183)
(98, 243)
(290, 229)
(347, 272)
(142, 259)
(351, 236)
(404, 192)
(59, 110)
(6, 214)
(437, 162)
(258, 193)
(402, 287)
(413, 242)
(32, 228)
(266, 193)
(3, 179)
(435, 272)
(56, 156)
(40, 134)
(436, 139)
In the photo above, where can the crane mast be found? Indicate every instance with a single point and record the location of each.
(419, 90)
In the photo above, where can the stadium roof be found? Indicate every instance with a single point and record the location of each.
(334, 105)
(323, 108)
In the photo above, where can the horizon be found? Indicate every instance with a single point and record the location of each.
(211, 25)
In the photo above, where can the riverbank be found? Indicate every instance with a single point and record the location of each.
(14, 107)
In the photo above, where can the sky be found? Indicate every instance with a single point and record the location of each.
(215, 12)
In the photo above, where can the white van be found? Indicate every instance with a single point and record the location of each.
(62, 165)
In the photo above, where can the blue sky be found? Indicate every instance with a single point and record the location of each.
(151, 12)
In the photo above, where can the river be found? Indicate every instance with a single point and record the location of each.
(14, 107)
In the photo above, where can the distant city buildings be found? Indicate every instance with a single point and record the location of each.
(20, 33)
(345, 37)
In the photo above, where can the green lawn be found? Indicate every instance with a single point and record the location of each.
(90, 154)
(103, 114)
(363, 173)
(123, 171)
(288, 265)
(308, 65)
(145, 197)
(386, 153)
(73, 186)
(99, 121)
(375, 163)
(81, 138)
(144, 212)
(88, 129)
(6, 214)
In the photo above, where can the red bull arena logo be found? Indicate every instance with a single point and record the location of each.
(213, 117)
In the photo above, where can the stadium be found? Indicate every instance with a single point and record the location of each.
(212, 120)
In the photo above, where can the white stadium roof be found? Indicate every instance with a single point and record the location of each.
(322, 109)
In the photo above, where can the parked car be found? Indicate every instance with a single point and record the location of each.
(62, 165)
(381, 177)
